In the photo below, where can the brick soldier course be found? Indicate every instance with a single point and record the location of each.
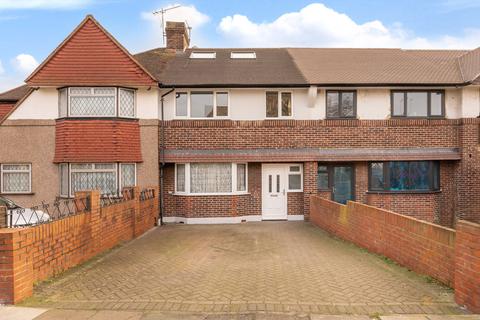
(281, 267)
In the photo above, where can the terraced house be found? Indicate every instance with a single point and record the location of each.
(242, 134)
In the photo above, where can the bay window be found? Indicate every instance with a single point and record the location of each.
(398, 176)
(210, 178)
(96, 102)
(16, 178)
(108, 178)
(429, 103)
(201, 104)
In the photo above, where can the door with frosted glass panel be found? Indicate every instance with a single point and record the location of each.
(343, 182)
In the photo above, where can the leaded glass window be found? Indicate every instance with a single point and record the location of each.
(16, 178)
(96, 102)
(101, 177)
(127, 175)
(126, 103)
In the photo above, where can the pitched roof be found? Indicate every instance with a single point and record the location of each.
(14, 94)
(5, 109)
(379, 66)
(90, 56)
(469, 64)
(155, 60)
(314, 66)
(272, 67)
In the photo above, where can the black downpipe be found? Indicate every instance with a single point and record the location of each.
(162, 156)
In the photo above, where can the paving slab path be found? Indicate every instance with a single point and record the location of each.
(290, 268)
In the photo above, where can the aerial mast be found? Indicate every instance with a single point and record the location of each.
(162, 12)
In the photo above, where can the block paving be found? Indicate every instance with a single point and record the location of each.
(265, 267)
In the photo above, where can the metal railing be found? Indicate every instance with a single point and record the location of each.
(45, 213)
(111, 199)
(147, 194)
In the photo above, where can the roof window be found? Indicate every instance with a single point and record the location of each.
(243, 55)
(203, 55)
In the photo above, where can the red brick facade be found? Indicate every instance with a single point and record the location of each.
(441, 207)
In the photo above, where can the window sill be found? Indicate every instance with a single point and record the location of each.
(210, 194)
(207, 119)
(96, 117)
(294, 191)
(419, 118)
(405, 192)
(17, 193)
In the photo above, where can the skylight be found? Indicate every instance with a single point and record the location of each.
(243, 55)
(203, 55)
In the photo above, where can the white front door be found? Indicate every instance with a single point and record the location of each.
(274, 193)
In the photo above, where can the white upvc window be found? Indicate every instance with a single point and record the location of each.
(16, 178)
(202, 104)
(278, 104)
(211, 178)
(96, 102)
(108, 178)
(295, 178)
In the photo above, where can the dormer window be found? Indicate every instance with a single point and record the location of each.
(243, 55)
(96, 102)
(203, 55)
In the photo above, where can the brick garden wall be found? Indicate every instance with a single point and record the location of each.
(467, 265)
(448, 255)
(32, 254)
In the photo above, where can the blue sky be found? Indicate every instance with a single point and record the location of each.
(30, 30)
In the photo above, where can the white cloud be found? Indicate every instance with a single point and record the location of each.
(183, 13)
(2, 70)
(25, 63)
(317, 25)
(43, 4)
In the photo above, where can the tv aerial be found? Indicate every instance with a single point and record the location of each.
(162, 12)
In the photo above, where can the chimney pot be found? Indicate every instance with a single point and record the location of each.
(177, 35)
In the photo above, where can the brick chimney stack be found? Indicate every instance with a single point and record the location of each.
(177, 35)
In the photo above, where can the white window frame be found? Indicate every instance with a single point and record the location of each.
(116, 170)
(214, 92)
(120, 180)
(300, 173)
(279, 113)
(234, 182)
(60, 179)
(2, 171)
(134, 102)
(93, 170)
(203, 55)
(116, 96)
(243, 55)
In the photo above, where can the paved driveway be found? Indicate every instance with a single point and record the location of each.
(266, 266)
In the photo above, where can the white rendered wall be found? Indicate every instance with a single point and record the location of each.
(148, 103)
(373, 104)
(453, 103)
(470, 102)
(41, 104)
